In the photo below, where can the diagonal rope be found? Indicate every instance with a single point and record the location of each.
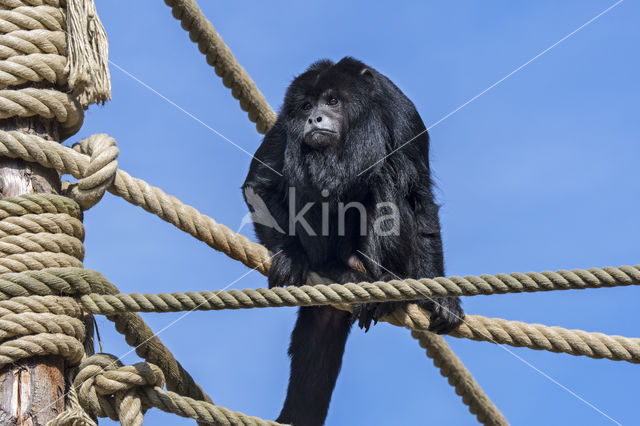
(220, 57)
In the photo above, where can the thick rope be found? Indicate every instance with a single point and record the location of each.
(37, 326)
(153, 199)
(33, 68)
(460, 378)
(59, 42)
(148, 346)
(100, 296)
(136, 191)
(533, 336)
(45, 103)
(124, 393)
(365, 292)
(45, 66)
(220, 57)
(45, 227)
(187, 218)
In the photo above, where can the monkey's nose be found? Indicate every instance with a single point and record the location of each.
(318, 119)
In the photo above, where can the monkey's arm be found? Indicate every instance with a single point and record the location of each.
(446, 312)
(265, 192)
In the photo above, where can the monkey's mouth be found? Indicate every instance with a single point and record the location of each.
(322, 132)
(320, 138)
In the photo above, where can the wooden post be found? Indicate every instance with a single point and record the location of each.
(32, 390)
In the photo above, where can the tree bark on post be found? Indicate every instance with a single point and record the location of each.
(31, 390)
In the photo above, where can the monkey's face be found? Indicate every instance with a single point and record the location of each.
(333, 118)
(324, 120)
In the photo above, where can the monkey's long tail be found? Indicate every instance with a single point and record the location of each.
(317, 345)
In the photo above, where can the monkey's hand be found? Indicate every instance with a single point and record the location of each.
(288, 269)
(446, 313)
(365, 313)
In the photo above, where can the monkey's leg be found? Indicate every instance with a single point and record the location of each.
(317, 345)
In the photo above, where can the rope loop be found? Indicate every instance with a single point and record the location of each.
(99, 175)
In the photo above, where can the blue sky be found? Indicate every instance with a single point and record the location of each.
(540, 173)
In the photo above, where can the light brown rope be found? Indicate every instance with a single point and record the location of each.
(123, 393)
(395, 290)
(44, 239)
(460, 378)
(221, 238)
(220, 57)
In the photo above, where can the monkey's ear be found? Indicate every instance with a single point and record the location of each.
(366, 72)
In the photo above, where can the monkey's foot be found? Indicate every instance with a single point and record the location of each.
(365, 313)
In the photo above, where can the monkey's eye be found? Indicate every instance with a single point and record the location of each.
(332, 102)
(306, 106)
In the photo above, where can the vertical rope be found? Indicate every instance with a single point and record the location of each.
(460, 378)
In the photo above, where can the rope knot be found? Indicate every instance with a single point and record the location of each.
(99, 174)
(107, 388)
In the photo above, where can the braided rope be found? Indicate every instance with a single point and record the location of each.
(321, 294)
(100, 172)
(30, 42)
(532, 336)
(34, 49)
(61, 223)
(33, 68)
(187, 218)
(138, 192)
(220, 57)
(12, 4)
(45, 228)
(41, 344)
(54, 326)
(28, 323)
(26, 62)
(460, 378)
(100, 296)
(108, 389)
(42, 17)
(41, 304)
(45, 103)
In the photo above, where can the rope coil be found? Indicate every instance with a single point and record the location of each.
(62, 43)
(48, 328)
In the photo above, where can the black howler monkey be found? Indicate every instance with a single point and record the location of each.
(341, 185)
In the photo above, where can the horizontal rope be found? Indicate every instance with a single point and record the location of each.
(61, 223)
(188, 219)
(532, 336)
(379, 291)
(74, 281)
(28, 323)
(32, 18)
(46, 103)
(33, 68)
(41, 304)
(29, 42)
(42, 344)
(220, 237)
(138, 192)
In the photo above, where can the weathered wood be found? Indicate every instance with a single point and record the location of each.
(33, 389)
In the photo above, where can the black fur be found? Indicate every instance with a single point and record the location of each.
(369, 119)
